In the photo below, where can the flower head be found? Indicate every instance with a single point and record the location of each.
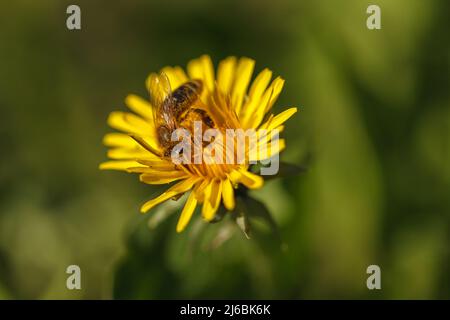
(225, 102)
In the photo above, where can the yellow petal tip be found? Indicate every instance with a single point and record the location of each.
(143, 210)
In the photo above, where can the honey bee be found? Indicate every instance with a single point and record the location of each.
(177, 109)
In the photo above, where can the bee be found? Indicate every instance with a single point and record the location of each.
(175, 110)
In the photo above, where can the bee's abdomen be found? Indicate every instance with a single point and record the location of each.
(185, 95)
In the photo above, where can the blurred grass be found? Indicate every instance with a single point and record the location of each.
(373, 126)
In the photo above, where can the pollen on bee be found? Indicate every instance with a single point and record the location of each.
(196, 115)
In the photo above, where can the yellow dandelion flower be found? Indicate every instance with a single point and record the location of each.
(225, 101)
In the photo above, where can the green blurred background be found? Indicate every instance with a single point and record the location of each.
(373, 128)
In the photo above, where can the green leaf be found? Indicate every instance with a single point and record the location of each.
(220, 214)
(285, 170)
(257, 209)
(162, 212)
(224, 234)
(240, 215)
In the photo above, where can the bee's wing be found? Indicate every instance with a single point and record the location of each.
(160, 95)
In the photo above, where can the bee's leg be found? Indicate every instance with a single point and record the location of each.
(145, 145)
(178, 196)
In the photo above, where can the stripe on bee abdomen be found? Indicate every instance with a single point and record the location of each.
(185, 95)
